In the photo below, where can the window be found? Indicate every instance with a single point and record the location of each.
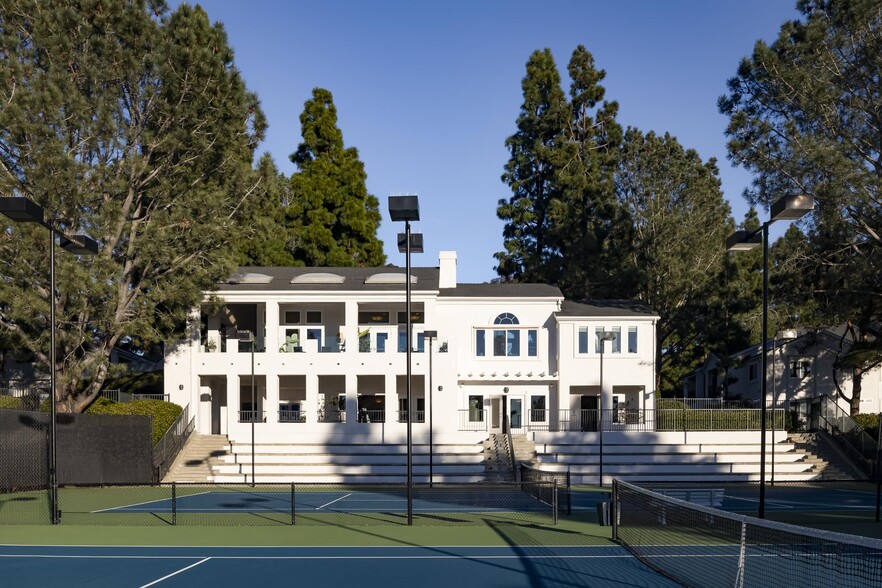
(381, 342)
(532, 343)
(632, 339)
(583, 340)
(479, 343)
(752, 372)
(537, 409)
(476, 409)
(292, 317)
(506, 318)
(313, 317)
(506, 343)
(376, 317)
(598, 344)
(617, 341)
(800, 367)
(415, 317)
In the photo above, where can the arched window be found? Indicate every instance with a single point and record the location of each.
(506, 318)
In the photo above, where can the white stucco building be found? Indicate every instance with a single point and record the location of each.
(801, 364)
(329, 358)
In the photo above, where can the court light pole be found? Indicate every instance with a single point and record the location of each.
(604, 336)
(25, 210)
(430, 335)
(785, 208)
(406, 209)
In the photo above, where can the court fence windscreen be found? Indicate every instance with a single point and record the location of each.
(218, 504)
(705, 547)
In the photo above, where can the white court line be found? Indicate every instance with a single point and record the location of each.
(176, 573)
(333, 501)
(329, 557)
(148, 502)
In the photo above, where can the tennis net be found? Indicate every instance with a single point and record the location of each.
(705, 547)
(531, 476)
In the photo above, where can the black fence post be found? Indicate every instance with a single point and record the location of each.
(554, 501)
(174, 503)
(613, 510)
(569, 493)
(293, 509)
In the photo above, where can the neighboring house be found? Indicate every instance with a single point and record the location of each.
(801, 366)
(329, 356)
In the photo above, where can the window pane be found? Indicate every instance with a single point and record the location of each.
(381, 342)
(499, 343)
(376, 317)
(617, 342)
(402, 341)
(476, 409)
(416, 317)
(420, 343)
(479, 343)
(532, 343)
(583, 339)
(292, 317)
(537, 409)
(514, 343)
(313, 317)
(632, 339)
(598, 344)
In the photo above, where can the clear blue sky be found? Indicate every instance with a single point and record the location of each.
(428, 91)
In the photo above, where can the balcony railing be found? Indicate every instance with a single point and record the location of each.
(292, 416)
(418, 416)
(472, 419)
(331, 416)
(252, 416)
(632, 419)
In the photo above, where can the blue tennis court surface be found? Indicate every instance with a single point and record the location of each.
(353, 501)
(319, 567)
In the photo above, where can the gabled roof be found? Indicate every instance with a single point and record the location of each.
(605, 308)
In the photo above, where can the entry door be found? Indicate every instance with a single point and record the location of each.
(497, 409)
(589, 412)
(516, 412)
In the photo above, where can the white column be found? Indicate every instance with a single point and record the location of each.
(233, 402)
(350, 327)
(272, 398)
(312, 405)
(272, 327)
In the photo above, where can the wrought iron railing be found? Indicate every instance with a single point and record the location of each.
(292, 416)
(472, 419)
(165, 452)
(252, 416)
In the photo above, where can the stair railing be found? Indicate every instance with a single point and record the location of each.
(849, 436)
(165, 452)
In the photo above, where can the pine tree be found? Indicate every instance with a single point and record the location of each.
(265, 240)
(592, 230)
(531, 172)
(332, 218)
(132, 125)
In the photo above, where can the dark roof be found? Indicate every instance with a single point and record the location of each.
(502, 290)
(601, 308)
(427, 279)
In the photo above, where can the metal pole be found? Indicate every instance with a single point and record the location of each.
(253, 405)
(407, 338)
(431, 477)
(53, 410)
(774, 403)
(765, 364)
(600, 430)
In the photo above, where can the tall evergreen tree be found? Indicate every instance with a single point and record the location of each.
(805, 118)
(680, 223)
(531, 172)
(333, 220)
(591, 229)
(132, 125)
(265, 241)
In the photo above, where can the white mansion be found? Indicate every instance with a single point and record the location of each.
(329, 356)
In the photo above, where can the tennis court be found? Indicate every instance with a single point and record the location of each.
(317, 567)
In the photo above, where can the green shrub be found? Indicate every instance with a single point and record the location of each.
(10, 402)
(163, 413)
(869, 422)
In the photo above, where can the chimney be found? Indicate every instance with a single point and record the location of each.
(447, 273)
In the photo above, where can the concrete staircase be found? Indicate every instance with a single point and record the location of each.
(826, 458)
(198, 460)
(348, 463)
(497, 459)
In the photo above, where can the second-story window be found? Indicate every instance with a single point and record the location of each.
(632, 339)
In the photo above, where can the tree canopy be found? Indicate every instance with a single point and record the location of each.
(332, 218)
(805, 116)
(130, 124)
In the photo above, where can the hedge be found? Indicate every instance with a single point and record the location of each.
(163, 413)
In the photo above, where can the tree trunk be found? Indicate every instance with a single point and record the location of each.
(857, 374)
